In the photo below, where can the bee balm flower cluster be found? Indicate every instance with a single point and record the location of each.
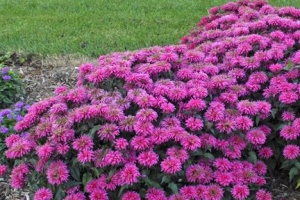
(196, 120)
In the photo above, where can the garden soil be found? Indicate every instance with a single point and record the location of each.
(42, 75)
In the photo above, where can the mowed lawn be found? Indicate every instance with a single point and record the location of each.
(94, 27)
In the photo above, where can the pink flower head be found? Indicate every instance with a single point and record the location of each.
(223, 178)
(265, 152)
(263, 195)
(121, 143)
(170, 165)
(108, 132)
(3, 169)
(289, 132)
(130, 174)
(288, 116)
(45, 151)
(291, 151)
(154, 193)
(43, 194)
(240, 192)
(57, 173)
(243, 123)
(98, 194)
(194, 124)
(256, 137)
(84, 142)
(181, 154)
(188, 192)
(148, 158)
(222, 164)
(288, 97)
(85, 155)
(131, 195)
(213, 192)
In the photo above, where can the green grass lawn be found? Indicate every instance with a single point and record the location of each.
(94, 27)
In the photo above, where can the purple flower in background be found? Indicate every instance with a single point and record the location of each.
(5, 112)
(6, 77)
(24, 134)
(19, 104)
(19, 118)
(3, 130)
(4, 70)
(10, 116)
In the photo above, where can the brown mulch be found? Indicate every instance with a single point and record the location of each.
(42, 75)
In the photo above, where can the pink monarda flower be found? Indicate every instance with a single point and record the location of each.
(194, 124)
(243, 123)
(188, 192)
(113, 158)
(98, 194)
(146, 115)
(154, 193)
(288, 97)
(222, 164)
(289, 132)
(256, 137)
(213, 192)
(131, 195)
(199, 174)
(170, 165)
(191, 142)
(247, 107)
(57, 173)
(265, 152)
(291, 151)
(263, 195)
(85, 156)
(19, 176)
(223, 178)
(140, 143)
(181, 154)
(130, 174)
(45, 151)
(20, 148)
(240, 192)
(260, 167)
(10, 140)
(84, 142)
(43, 194)
(3, 169)
(288, 116)
(121, 144)
(148, 158)
(108, 132)
(75, 196)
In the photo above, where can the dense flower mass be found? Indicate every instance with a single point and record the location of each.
(187, 121)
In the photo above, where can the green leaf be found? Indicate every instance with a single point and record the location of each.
(151, 183)
(252, 157)
(71, 184)
(173, 187)
(209, 155)
(86, 178)
(59, 194)
(297, 164)
(121, 190)
(274, 111)
(293, 172)
(165, 179)
(298, 184)
(75, 173)
(285, 164)
(94, 130)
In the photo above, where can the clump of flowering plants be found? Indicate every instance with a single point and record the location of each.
(192, 121)
(8, 118)
(11, 87)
